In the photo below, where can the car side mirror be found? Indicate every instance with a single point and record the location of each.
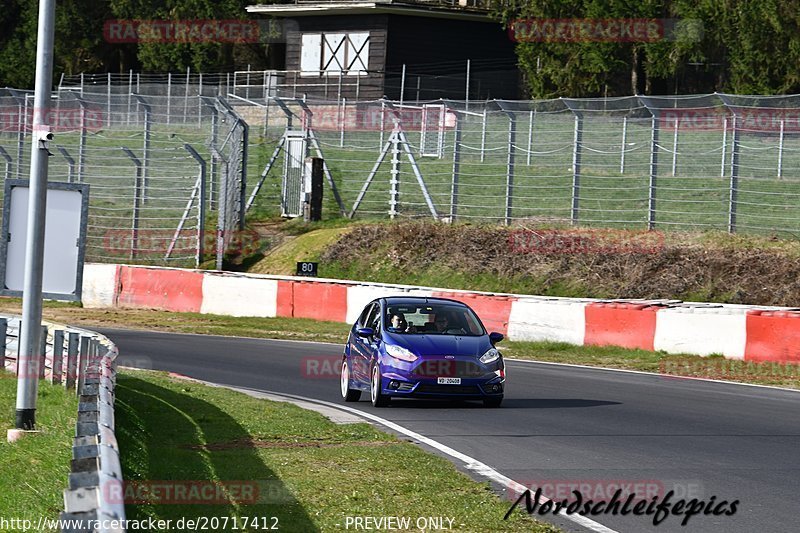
(496, 337)
(365, 332)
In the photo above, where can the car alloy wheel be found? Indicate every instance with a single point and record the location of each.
(378, 398)
(349, 395)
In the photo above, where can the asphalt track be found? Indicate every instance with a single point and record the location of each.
(560, 426)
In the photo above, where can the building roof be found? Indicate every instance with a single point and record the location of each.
(452, 9)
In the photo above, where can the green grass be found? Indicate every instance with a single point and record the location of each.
(313, 472)
(34, 470)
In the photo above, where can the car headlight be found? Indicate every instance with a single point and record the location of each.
(490, 356)
(398, 352)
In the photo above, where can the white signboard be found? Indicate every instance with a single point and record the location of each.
(65, 235)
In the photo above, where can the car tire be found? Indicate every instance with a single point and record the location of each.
(379, 399)
(349, 395)
(493, 402)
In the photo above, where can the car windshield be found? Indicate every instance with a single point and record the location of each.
(434, 319)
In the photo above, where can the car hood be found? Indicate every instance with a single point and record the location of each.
(437, 345)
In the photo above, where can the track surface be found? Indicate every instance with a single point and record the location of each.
(559, 424)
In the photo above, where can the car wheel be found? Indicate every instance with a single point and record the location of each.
(493, 402)
(379, 399)
(349, 395)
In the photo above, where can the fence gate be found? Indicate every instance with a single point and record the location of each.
(432, 133)
(295, 149)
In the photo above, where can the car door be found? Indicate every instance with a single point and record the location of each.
(360, 347)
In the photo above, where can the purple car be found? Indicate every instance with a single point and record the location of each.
(421, 348)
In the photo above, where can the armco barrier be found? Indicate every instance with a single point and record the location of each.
(755, 333)
(84, 361)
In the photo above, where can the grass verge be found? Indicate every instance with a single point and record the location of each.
(34, 470)
(312, 473)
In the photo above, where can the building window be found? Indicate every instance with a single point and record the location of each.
(334, 53)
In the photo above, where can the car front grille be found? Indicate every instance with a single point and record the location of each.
(432, 388)
(439, 368)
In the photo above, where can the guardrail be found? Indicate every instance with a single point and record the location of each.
(83, 361)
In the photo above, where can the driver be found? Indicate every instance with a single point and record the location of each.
(398, 324)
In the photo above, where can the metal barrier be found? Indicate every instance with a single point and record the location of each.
(83, 361)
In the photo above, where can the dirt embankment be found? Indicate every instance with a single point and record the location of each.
(591, 263)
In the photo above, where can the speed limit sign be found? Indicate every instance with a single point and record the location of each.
(307, 268)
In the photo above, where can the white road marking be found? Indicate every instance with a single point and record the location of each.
(470, 463)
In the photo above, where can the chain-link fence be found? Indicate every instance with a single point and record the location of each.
(694, 162)
(159, 169)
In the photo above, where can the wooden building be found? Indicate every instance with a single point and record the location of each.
(360, 49)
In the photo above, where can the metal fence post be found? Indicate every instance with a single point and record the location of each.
(82, 143)
(734, 183)
(780, 151)
(70, 163)
(201, 211)
(72, 360)
(456, 169)
(651, 195)
(42, 351)
(169, 95)
(21, 126)
(394, 180)
(342, 117)
(130, 92)
(137, 202)
(83, 362)
(624, 143)
(512, 142)
(186, 96)
(3, 338)
(58, 356)
(675, 149)
(530, 138)
(8, 161)
(146, 146)
(108, 103)
(724, 146)
(577, 146)
(483, 133)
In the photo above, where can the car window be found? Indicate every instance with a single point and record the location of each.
(439, 319)
(372, 317)
(362, 320)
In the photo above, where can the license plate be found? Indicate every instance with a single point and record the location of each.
(449, 381)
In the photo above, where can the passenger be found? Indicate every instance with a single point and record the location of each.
(441, 322)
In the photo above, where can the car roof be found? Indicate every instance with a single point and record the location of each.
(420, 300)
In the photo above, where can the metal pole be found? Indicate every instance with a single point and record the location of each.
(576, 167)
(403, 84)
(186, 96)
(512, 141)
(724, 145)
(624, 143)
(20, 136)
(70, 163)
(780, 152)
(108, 96)
(383, 120)
(130, 91)
(530, 138)
(394, 181)
(3, 331)
(651, 195)
(466, 91)
(456, 170)
(82, 144)
(27, 383)
(137, 198)
(343, 117)
(199, 101)
(7, 159)
(483, 135)
(169, 93)
(58, 357)
(675, 149)
(734, 185)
